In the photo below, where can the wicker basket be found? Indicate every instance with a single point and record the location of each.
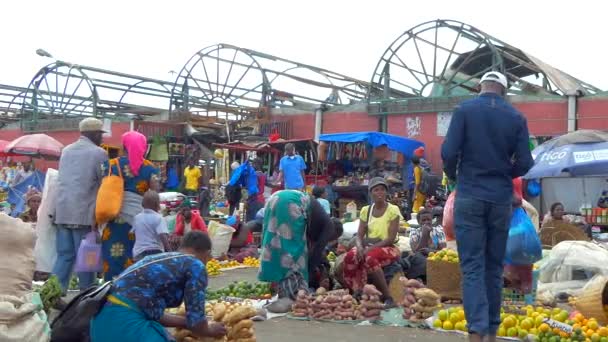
(558, 232)
(591, 301)
(445, 279)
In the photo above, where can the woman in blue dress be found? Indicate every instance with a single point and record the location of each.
(139, 176)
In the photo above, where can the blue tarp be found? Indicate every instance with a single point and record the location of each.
(394, 142)
(16, 194)
(588, 159)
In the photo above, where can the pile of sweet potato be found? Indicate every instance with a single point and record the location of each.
(419, 303)
(371, 306)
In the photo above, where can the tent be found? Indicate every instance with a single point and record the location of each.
(375, 139)
(16, 194)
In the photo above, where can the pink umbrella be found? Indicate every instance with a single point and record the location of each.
(35, 145)
(3, 144)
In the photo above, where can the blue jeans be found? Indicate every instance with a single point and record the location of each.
(68, 242)
(482, 229)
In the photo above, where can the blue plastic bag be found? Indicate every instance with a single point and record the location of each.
(523, 244)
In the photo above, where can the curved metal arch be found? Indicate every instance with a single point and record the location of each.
(410, 65)
(195, 94)
(136, 85)
(65, 96)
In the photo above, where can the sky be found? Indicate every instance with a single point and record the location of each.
(152, 38)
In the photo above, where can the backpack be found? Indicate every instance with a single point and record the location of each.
(429, 182)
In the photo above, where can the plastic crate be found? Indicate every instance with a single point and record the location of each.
(515, 297)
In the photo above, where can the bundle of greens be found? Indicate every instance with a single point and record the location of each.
(50, 293)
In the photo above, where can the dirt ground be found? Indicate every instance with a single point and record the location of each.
(283, 329)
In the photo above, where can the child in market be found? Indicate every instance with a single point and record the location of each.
(150, 228)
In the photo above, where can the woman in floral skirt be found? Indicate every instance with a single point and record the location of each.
(139, 175)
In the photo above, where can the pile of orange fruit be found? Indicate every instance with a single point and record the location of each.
(589, 328)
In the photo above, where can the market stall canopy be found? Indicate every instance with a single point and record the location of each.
(393, 142)
(577, 137)
(580, 153)
(35, 145)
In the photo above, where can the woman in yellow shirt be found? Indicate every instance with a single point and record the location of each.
(376, 240)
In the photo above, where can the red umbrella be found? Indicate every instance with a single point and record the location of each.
(35, 145)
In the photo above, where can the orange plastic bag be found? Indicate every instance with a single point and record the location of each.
(448, 217)
(109, 195)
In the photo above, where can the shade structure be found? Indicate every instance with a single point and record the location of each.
(3, 144)
(583, 159)
(375, 139)
(35, 145)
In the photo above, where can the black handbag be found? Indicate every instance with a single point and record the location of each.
(73, 323)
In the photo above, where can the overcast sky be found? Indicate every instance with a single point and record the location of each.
(149, 39)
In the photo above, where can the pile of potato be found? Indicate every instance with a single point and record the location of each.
(238, 323)
(419, 303)
(235, 316)
(371, 307)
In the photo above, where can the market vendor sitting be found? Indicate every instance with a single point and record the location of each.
(557, 215)
(33, 198)
(375, 243)
(428, 237)
(135, 308)
(188, 220)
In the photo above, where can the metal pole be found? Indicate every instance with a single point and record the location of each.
(385, 96)
(318, 123)
(572, 113)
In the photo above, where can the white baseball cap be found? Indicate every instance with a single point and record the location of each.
(91, 125)
(495, 76)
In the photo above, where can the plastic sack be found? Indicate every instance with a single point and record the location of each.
(571, 265)
(88, 258)
(220, 235)
(523, 244)
(45, 250)
(448, 217)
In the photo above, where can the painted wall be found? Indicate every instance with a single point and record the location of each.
(340, 122)
(593, 113)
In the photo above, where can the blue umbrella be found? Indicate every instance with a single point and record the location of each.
(583, 159)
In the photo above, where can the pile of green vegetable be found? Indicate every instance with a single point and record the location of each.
(241, 289)
(50, 293)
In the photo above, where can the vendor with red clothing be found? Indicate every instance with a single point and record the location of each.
(188, 220)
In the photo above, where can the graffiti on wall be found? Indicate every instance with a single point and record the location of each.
(443, 123)
(413, 126)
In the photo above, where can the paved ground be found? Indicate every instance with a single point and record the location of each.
(283, 329)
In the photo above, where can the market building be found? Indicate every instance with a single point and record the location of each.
(233, 92)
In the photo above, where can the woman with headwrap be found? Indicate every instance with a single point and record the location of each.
(139, 175)
(33, 198)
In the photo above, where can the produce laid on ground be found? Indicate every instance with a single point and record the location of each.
(235, 316)
(339, 305)
(213, 268)
(242, 289)
(50, 293)
(251, 262)
(419, 303)
(371, 307)
(534, 324)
